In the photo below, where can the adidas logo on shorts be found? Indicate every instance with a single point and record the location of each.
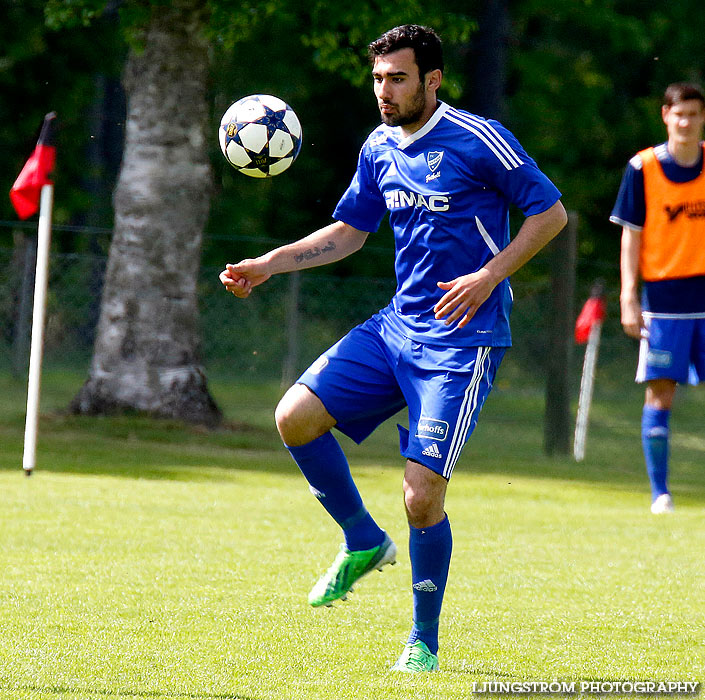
(427, 586)
(432, 451)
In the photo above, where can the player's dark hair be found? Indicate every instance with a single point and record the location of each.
(680, 92)
(423, 40)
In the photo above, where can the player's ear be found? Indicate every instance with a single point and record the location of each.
(664, 112)
(433, 79)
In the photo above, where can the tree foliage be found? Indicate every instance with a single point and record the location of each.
(44, 69)
(584, 79)
(587, 78)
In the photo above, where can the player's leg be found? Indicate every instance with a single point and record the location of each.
(664, 360)
(349, 387)
(444, 406)
(655, 440)
(304, 425)
(430, 547)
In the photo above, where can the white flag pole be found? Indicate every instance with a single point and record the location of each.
(38, 314)
(586, 385)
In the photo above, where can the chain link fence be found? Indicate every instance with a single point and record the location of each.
(282, 327)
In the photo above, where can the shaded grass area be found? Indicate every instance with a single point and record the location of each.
(147, 559)
(508, 439)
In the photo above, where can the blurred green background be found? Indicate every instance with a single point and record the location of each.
(579, 83)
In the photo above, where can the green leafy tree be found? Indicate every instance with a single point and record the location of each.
(584, 88)
(44, 69)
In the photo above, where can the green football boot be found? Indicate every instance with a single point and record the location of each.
(416, 658)
(348, 568)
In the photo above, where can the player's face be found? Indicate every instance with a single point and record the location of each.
(402, 97)
(685, 121)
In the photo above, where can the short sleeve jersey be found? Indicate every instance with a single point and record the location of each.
(630, 208)
(682, 297)
(448, 188)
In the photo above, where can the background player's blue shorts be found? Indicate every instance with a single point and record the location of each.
(673, 349)
(375, 371)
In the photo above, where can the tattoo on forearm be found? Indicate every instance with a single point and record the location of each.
(314, 252)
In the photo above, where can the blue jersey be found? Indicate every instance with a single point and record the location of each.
(447, 188)
(682, 297)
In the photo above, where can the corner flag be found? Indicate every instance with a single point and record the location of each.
(25, 193)
(32, 191)
(594, 311)
(588, 328)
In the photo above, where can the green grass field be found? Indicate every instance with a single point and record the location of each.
(145, 559)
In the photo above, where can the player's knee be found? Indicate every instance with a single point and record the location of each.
(287, 420)
(300, 416)
(424, 495)
(415, 501)
(660, 393)
(422, 505)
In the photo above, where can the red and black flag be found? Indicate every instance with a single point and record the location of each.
(24, 194)
(594, 311)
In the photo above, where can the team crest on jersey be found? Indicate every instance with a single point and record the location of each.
(434, 158)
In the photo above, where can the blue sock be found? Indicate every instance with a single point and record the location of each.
(654, 440)
(326, 469)
(429, 551)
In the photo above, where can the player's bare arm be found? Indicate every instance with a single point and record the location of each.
(464, 295)
(632, 320)
(327, 245)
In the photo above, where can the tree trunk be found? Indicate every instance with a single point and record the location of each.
(146, 353)
(558, 421)
(488, 59)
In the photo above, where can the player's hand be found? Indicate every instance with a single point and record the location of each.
(464, 296)
(632, 319)
(240, 278)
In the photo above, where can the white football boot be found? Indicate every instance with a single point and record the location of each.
(663, 504)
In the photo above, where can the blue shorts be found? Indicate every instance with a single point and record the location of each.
(673, 348)
(375, 371)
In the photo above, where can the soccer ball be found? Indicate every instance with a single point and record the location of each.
(260, 135)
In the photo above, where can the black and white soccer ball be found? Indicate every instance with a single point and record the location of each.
(260, 135)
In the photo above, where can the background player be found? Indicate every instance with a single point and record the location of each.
(447, 179)
(661, 208)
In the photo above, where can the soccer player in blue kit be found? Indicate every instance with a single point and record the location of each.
(447, 179)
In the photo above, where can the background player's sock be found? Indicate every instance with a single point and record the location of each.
(429, 550)
(326, 469)
(654, 440)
